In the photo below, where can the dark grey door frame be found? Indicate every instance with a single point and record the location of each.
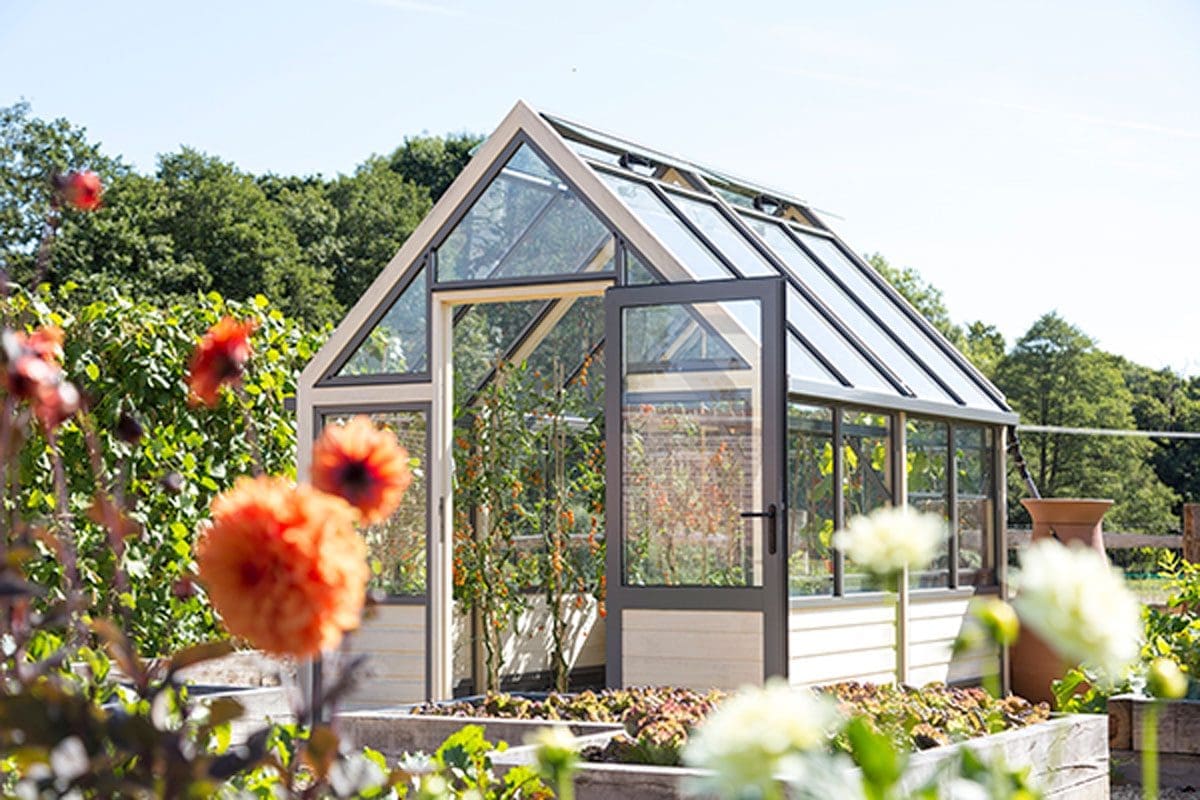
(771, 597)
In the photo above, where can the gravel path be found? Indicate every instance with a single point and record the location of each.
(1134, 792)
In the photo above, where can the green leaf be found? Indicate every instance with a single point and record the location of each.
(881, 764)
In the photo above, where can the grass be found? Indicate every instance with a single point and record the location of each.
(1151, 591)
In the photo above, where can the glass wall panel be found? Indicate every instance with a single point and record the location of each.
(724, 236)
(897, 320)
(399, 343)
(396, 546)
(687, 337)
(928, 465)
(636, 273)
(566, 239)
(866, 479)
(527, 222)
(484, 334)
(655, 215)
(810, 499)
(571, 355)
(691, 444)
(976, 499)
(572, 338)
(874, 335)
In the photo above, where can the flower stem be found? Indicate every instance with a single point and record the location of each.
(566, 785)
(244, 404)
(1150, 751)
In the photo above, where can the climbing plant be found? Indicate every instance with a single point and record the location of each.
(528, 508)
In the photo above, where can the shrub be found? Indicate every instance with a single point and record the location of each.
(128, 359)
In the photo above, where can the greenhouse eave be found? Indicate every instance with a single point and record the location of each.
(911, 405)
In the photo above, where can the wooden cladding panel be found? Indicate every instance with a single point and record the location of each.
(697, 649)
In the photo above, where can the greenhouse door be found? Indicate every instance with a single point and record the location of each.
(696, 571)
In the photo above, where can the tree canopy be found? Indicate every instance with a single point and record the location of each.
(199, 223)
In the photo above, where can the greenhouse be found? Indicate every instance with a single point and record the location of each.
(642, 395)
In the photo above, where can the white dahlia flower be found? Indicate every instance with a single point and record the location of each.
(1079, 605)
(759, 736)
(890, 539)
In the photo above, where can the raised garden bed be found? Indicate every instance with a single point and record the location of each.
(657, 720)
(1069, 755)
(1178, 739)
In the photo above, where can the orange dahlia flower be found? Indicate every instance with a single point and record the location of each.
(363, 464)
(284, 566)
(219, 359)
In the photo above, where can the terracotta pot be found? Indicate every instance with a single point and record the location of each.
(1071, 519)
(1032, 664)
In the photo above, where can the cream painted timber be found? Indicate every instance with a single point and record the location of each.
(394, 642)
(527, 647)
(696, 649)
(837, 644)
(373, 393)
(441, 493)
(858, 643)
(934, 623)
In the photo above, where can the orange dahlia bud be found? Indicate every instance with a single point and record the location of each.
(363, 464)
(219, 359)
(31, 372)
(80, 190)
(284, 566)
(57, 403)
(47, 344)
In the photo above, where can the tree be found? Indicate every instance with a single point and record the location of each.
(924, 296)
(1055, 375)
(433, 161)
(984, 345)
(1166, 401)
(377, 210)
(222, 220)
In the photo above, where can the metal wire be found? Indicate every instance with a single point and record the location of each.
(1109, 432)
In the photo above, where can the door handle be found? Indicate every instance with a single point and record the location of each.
(770, 515)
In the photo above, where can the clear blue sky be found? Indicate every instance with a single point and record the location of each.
(1024, 156)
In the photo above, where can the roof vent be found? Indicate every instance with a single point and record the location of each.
(636, 163)
(769, 205)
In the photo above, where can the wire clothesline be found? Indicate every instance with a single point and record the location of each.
(1109, 432)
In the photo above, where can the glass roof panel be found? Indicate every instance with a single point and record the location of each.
(527, 222)
(399, 342)
(848, 310)
(573, 131)
(586, 150)
(688, 250)
(723, 235)
(826, 339)
(916, 338)
(802, 366)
